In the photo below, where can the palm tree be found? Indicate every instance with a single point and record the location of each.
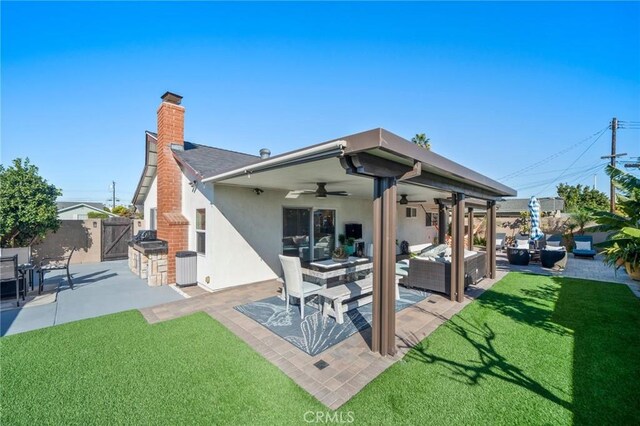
(422, 140)
(581, 218)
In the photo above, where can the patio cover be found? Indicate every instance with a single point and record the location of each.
(376, 163)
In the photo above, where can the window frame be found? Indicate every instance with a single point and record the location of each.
(201, 229)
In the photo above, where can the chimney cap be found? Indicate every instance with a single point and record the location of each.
(171, 98)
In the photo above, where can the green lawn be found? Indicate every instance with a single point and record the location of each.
(532, 350)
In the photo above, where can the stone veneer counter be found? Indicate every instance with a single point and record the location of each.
(151, 266)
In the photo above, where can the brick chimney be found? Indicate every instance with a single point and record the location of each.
(172, 225)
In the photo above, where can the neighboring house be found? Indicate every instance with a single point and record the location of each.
(79, 210)
(551, 206)
(240, 211)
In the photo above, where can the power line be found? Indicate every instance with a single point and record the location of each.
(575, 161)
(553, 156)
(580, 172)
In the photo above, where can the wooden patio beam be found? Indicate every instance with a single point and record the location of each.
(491, 239)
(384, 266)
(470, 230)
(457, 249)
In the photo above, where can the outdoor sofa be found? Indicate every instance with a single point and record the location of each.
(434, 273)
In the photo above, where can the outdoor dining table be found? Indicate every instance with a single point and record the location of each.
(331, 273)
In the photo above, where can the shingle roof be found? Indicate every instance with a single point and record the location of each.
(515, 205)
(66, 204)
(209, 161)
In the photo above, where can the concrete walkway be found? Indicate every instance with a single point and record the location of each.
(577, 267)
(99, 289)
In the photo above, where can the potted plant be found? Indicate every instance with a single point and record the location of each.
(350, 247)
(340, 254)
(622, 245)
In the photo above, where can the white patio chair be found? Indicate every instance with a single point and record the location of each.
(500, 241)
(294, 285)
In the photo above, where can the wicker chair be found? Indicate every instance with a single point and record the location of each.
(435, 275)
(518, 256)
(556, 259)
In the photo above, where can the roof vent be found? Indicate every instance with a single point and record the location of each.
(265, 153)
(171, 98)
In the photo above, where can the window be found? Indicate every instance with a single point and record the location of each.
(153, 214)
(201, 227)
(432, 219)
(412, 212)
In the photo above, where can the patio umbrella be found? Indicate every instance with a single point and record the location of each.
(534, 212)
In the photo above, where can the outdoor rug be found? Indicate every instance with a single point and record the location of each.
(316, 334)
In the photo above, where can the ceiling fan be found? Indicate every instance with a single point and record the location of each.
(320, 192)
(405, 201)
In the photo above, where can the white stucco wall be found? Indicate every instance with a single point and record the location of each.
(413, 229)
(150, 202)
(200, 198)
(247, 230)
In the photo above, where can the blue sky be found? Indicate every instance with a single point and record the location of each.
(497, 86)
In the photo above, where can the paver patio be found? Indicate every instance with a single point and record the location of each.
(351, 364)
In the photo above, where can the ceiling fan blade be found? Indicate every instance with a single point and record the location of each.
(338, 193)
(298, 192)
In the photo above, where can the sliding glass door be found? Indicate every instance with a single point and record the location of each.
(296, 235)
(324, 233)
(308, 234)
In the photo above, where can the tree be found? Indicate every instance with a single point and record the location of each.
(582, 197)
(623, 242)
(581, 217)
(97, 215)
(27, 204)
(422, 140)
(122, 211)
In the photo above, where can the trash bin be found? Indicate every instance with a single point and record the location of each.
(186, 268)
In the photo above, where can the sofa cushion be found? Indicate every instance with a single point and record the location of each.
(553, 243)
(583, 245)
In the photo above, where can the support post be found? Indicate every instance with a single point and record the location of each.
(457, 249)
(442, 223)
(491, 239)
(384, 263)
(470, 221)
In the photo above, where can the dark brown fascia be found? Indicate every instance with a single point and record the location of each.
(386, 141)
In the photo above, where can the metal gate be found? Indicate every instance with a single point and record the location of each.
(116, 234)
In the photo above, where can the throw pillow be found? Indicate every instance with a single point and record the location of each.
(553, 243)
(583, 245)
(552, 248)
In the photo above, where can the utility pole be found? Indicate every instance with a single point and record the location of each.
(113, 199)
(612, 188)
(595, 181)
(613, 157)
